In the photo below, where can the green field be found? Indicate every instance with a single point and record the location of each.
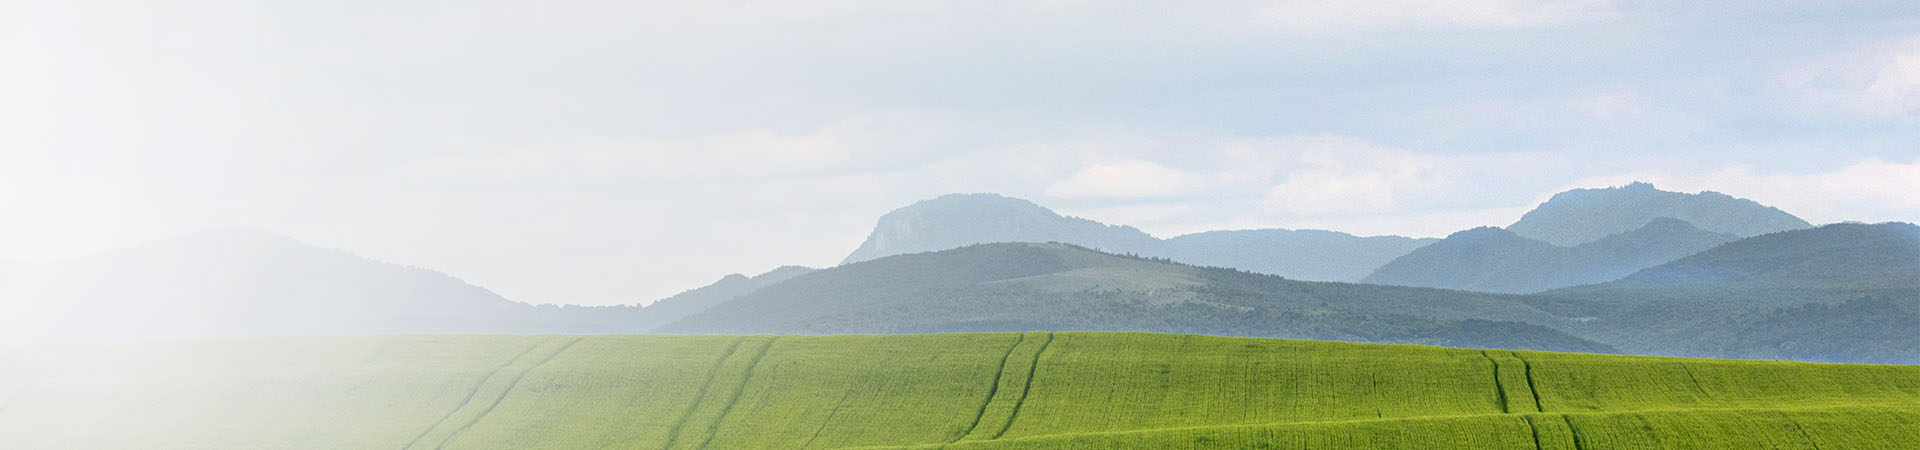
(1079, 390)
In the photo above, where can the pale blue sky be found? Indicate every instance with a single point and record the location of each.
(610, 152)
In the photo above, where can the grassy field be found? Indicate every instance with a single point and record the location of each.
(961, 391)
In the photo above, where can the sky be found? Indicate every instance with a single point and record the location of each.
(594, 152)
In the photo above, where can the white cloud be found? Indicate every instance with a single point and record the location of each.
(1881, 79)
(1127, 178)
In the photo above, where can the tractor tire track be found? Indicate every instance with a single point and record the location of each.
(1500, 392)
(1536, 431)
(673, 434)
(1696, 381)
(504, 392)
(992, 390)
(1801, 429)
(1575, 432)
(1528, 368)
(714, 427)
(1027, 389)
(470, 394)
(829, 419)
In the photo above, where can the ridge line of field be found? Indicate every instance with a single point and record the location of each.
(746, 377)
(470, 394)
(1531, 389)
(1026, 389)
(992, 389)
(1898, 407)
(673, 433)
(505, 392)
(1499, 392)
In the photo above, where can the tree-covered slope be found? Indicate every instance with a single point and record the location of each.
(1843, 292)
(1039, 390)
(679, 306)
(1497, 260)
(1585, 215)
(1015, 287)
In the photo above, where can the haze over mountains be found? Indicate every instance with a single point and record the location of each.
(1497, 260)
(1023, 286)
(959, 220)
(247, 282)
(1580, 216)
(1846, 292)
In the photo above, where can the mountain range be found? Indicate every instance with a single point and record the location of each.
(959, 220)
(1843, 292)
(1029, 286)
(1498, 260)
(248, 282)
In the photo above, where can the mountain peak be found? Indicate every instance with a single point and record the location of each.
(1580, 216)
(958, 220)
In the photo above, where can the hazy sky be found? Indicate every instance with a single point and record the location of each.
(614, 152)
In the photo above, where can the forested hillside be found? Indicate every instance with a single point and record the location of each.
(1016, 287)
(1496, 260)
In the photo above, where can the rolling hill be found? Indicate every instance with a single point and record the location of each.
(679, 306)
(246, 282)
(960, 220)
(1585, 215)
(1842, 292)
(1497, 260)
(1035, 391)
(1019, 286)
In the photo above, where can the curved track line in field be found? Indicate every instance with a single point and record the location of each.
(1801, 429)
(1535, 430)
(1572, 431)
(1537, 406)
(470, 394)
(714, 427)
(992, 390)
(673, 434)
(1500, 392)
(504, 392)
(1028, 388)
(830, 414)
(1696, 381)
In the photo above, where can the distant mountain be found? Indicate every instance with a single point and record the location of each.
(1585, 215)
(1021, 286)
(733, 286)
(960, 220)
(244, 282)
(1886, 254)
(1311, 255)
(1496, 260)
(1843, 292)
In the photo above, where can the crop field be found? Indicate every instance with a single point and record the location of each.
(1040, 390)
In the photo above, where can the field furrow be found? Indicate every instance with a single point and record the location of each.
(471, 393)
(1036, 391)
(504, 392)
